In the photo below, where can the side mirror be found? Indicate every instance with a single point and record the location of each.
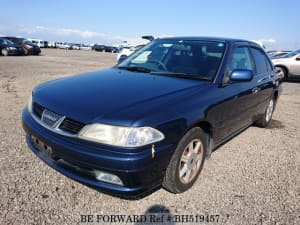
(122, 58)
(298, 58)
(241, 75)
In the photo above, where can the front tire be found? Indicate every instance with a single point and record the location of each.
(4, 52)
(265, 120)
(187, 161)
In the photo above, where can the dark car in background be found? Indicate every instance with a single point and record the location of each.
(99, 48)
(151, 120)
(111, 49)
(28, 46)
(105, 48)
(9, 48)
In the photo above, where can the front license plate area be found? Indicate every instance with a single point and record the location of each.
(46, 149)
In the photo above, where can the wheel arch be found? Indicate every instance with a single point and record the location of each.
(285, 68)
(207, 128)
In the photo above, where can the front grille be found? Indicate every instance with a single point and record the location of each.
(69, 125)
(38, 109)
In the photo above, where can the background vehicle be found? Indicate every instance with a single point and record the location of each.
(277, 54)
(85, 47)
(99, 48)
(63, 45)
(38, 42)
(46, 44)
(75, 46)
(110, 49)
(126, 51)
(28, 47)
(9, 48)
(148, 37)
(289, 64)
(51, 44)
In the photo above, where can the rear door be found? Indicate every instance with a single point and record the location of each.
(262, 81)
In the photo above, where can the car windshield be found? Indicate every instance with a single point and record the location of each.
(25, 41)
(193, 58)
(291, 54)
(7, 42)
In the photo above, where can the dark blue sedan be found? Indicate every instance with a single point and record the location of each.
(9, 48)
(151, 120)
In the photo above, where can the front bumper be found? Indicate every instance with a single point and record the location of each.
(139, 172)
(34, 51)
(18, 51)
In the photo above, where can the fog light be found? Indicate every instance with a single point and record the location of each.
(108, 177)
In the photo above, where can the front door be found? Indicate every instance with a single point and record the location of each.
(234, 112)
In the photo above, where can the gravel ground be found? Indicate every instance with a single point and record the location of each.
(252, 179)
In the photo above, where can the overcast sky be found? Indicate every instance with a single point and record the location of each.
(112, 21)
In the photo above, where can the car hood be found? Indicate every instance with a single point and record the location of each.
(112, 95)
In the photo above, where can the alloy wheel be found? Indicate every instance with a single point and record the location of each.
(190, 161)
(270, 110)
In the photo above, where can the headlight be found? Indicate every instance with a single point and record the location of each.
(29, 104)
(11, 48)
(120, 136)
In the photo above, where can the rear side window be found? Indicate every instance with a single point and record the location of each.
(261, 61)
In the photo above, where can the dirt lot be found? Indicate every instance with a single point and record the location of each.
(252, 179)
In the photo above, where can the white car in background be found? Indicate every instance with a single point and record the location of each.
(62, 45)
(51, 44)
(37, 42)
(289, 65)
(128, 50)
(75, 47)
(85, 47)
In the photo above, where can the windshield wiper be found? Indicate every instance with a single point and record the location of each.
(135, 68)
(181, 75)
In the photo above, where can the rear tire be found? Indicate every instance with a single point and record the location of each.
(266, 118)
(187, 161)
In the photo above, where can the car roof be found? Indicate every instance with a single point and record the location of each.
(14, 38)
(4, 38)
(9, 37)
(204, 38)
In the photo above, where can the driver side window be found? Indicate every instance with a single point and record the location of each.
(240, 59)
